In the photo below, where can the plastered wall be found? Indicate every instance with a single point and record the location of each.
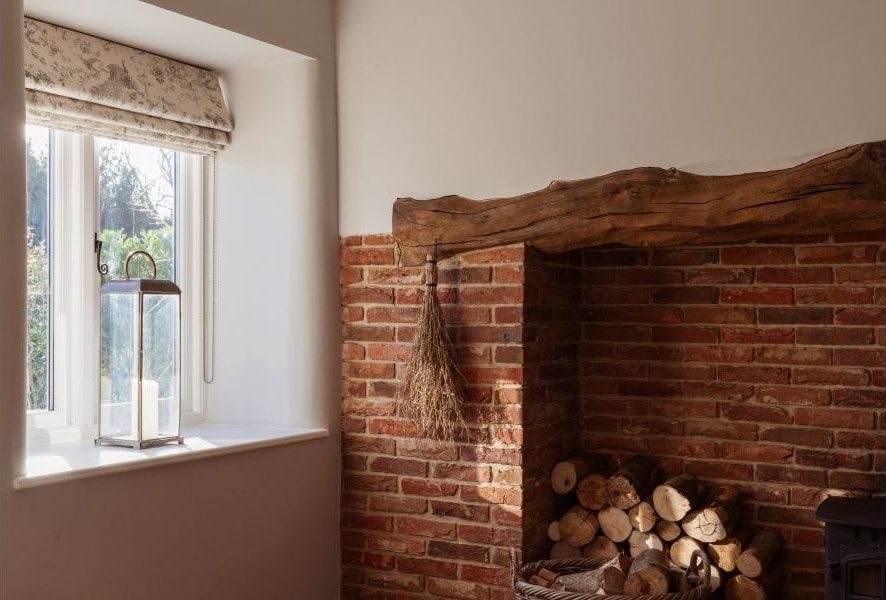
(499, 97)
(248, 525)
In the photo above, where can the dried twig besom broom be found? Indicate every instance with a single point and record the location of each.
(429, 392)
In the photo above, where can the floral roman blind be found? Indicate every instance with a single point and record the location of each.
(87, 84)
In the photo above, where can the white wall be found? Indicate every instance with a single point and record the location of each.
(249, 525)
(240, 526)
(277, 255)
(489, 98)
(12, 273)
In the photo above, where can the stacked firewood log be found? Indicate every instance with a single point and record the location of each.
(645, 530)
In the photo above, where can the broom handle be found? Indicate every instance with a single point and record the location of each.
(430, 270)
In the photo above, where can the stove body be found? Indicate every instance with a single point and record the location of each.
(855, 548)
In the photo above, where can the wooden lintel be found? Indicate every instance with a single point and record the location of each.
(836, 193)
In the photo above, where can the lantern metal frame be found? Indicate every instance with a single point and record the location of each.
(141, 287)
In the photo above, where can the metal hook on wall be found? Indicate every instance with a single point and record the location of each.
(99, 266)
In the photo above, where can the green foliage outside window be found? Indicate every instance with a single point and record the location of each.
(37, 164)
(38, 324)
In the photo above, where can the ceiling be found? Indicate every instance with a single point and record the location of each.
(158, 30)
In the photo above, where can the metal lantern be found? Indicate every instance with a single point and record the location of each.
(140, 389)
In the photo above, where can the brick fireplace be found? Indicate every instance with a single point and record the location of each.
(759, 364)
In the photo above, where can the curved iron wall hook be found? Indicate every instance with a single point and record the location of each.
(99, 266)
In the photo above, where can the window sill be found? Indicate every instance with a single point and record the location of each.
(77, 460)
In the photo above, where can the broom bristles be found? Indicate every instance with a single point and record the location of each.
(429, 392)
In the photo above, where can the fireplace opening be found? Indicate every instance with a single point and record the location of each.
(730, 363)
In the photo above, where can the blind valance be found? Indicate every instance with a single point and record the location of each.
(87, 84)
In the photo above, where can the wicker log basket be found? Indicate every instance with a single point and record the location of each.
(698, 573)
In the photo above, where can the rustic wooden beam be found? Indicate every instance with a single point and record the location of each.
(836, 193)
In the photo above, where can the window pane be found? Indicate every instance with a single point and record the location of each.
(119, 366)
(137, 206)
(37, 140)
(161, 386)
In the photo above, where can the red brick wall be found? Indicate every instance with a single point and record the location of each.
(551, 390)
(425, 519)
(761, 364)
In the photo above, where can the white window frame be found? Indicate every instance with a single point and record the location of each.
(190, 240)
(75, 291)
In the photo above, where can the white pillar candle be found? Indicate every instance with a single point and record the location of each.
(105, 427)
(150, 412)
(150, 409)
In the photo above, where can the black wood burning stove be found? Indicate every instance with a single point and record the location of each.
(855, 548)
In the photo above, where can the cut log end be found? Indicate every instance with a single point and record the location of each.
(554, 531)
(591, 492)
(682, 549)
(640, 542)
(761, 551)
(600, 548)
(714, 521)
(642, 516)
(725, 553)
(631, 482)
(668, 530)
(649, 574)
(615, 524)
(676, 497)
(578, 526)
(621, 492)
(566, 474)
(742, 587)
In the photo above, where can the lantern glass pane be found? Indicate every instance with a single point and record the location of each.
(119, 366)
(160, 369)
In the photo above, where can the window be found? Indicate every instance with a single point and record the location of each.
(39, 391)
(136, 204)
(128, 196)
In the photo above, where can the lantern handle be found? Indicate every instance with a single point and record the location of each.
(132, 254)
